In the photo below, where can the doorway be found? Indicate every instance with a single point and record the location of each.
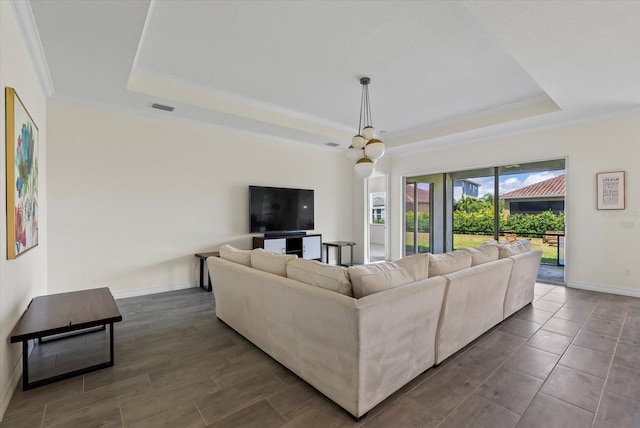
(377, 209)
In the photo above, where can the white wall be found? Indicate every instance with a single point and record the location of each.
(602, 246)
(132, 199)
(25, 277)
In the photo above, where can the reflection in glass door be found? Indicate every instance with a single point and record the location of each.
(417, 224)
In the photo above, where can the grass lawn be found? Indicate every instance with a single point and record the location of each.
(549, 253)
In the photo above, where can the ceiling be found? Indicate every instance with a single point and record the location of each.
(441, 72)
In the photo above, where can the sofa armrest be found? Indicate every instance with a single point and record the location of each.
(397, 332)
(474, 303)
(522, 281)
(311, 331)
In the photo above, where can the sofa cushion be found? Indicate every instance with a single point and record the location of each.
(407, 270)
(312, 272)
(235, 255)
(482, 254)
(385, 280)
(417, 265)
(442, 264)
(270, 262)
(517, 247)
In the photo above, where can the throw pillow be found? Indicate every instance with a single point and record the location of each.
(442, 264)
(271, 262)
(235, 255)
(312, 272)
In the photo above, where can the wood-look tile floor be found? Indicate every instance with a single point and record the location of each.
(571, 359)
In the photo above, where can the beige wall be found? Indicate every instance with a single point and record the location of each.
(132, 199)
(602, 246)
(25, 277)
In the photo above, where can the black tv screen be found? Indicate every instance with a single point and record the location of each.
(277, 209)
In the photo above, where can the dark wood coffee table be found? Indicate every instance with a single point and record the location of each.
(65, 313)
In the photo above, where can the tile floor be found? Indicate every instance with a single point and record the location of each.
(571, 359)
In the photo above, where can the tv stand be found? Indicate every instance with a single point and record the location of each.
(284, 234)
(299, 243)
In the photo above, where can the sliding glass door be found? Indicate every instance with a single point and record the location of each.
(424, 217)
(532, 200)
(473, 208)
(417, 225)
(452, 210)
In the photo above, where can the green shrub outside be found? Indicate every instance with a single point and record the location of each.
(423, 222)
(481, 223)
(475, 216)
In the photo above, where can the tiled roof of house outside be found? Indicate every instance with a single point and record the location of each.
(551, 187)
(423, 194)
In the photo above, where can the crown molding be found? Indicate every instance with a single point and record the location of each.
(511, 129)
(27, 24)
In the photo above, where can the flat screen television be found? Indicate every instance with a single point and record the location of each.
(277, 209)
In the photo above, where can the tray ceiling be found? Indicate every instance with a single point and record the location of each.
(442, 72)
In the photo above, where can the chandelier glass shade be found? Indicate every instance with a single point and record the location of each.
(364, 167)
(365, 148)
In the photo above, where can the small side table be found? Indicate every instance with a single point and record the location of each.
(203, 257)
(339, 245)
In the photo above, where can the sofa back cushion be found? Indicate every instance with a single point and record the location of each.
(417, 265)
(385, 280)
(482, 254)
(442, 264)
(387, 275)
(312, 272)
(270, 262)
(235, 255)
(517, 247)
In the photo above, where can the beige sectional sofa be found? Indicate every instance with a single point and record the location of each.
(405, 317)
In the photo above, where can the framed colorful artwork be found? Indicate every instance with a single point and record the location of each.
(610, 190)
(22, 176)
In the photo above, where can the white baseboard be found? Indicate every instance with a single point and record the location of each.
(153, 290)
(10, 387)
(604, 288)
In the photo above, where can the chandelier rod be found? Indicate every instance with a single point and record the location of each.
(362, 101)
(368, 101)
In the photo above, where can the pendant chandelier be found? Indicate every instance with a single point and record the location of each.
(365, 148)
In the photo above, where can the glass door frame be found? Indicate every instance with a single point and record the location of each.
(415, 244)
